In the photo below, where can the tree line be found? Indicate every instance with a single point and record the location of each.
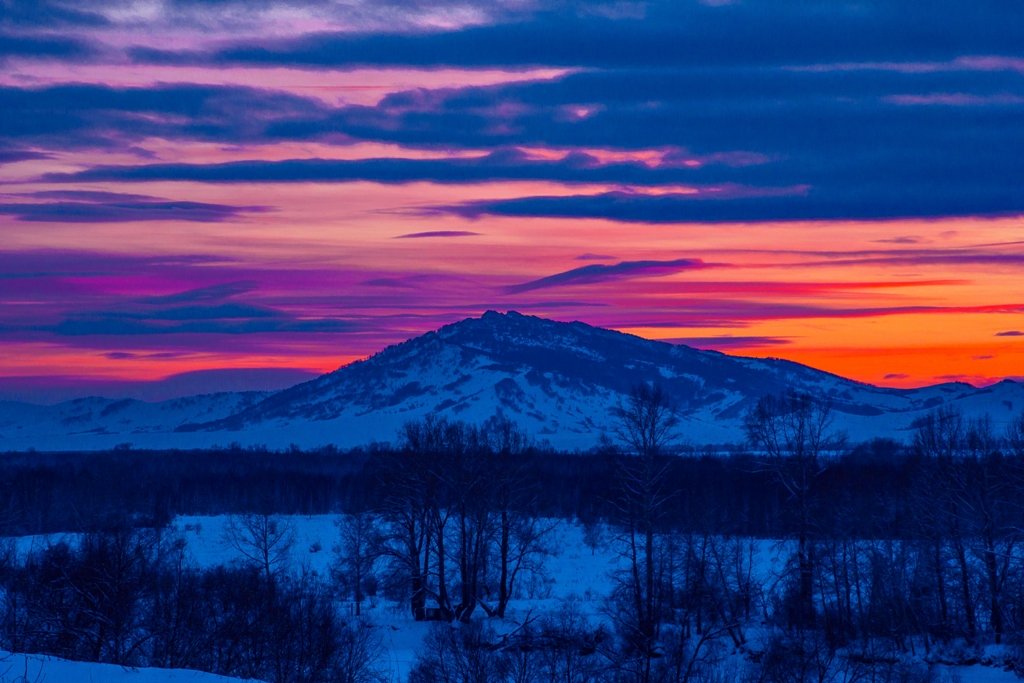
(865, 490)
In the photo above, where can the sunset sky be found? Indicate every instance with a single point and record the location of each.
(218, 194)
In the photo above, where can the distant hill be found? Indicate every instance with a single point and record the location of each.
(558, 380)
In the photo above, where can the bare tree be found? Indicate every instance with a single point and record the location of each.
(358, 548)
(974, 496)
(407, 517)
(1015, 436)
(518, 533)
(436, 499)
(938, 439)
(793, 434)
(646, 424)
(262, 540)
(646, 421)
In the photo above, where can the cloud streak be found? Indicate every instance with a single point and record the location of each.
(596, 273)
(437, 233)
(816, 205)
(105, 207)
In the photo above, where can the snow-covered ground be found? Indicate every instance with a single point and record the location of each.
(571, 570)
(20, 668)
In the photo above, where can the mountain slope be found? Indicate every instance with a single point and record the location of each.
(560, 381)
(90, 423)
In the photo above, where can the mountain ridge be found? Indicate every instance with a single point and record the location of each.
(559, 380)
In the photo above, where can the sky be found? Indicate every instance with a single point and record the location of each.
(199, 195)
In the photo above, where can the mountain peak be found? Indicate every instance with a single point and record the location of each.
(491, 314)
(502, 325)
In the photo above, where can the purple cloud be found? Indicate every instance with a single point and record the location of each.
(437, 233)
(902, 239)
(216, 292)
(49, 263)
(602, 273)
(10, 156)
(726, 342)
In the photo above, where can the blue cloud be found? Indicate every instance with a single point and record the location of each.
(47, 14)
(45, 47)
(91, 115)
(869, 109)
(112, 207)
(827, 204)
(229, 318)
(10, 156)
(669, 33)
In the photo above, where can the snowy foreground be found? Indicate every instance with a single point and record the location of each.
(19, 668)
(571, 571)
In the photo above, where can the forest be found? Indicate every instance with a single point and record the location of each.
(898, 556)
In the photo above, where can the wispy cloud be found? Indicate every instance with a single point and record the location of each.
(437, 233)
(601, 273)
(10, 156)
(111, 207)
(730, 342)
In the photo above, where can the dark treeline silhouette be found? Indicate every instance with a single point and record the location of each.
(867, 490)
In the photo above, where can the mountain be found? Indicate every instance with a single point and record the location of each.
(560, 381)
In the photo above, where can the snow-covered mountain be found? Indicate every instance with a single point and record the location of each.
(92, 423)
(558, 380)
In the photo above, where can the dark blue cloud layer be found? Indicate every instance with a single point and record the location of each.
(506, 164)
(45, 47)
(859, 144)
(681, 208)
(799, 110)
(670, 33)
(92, 115)
(49, 14)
